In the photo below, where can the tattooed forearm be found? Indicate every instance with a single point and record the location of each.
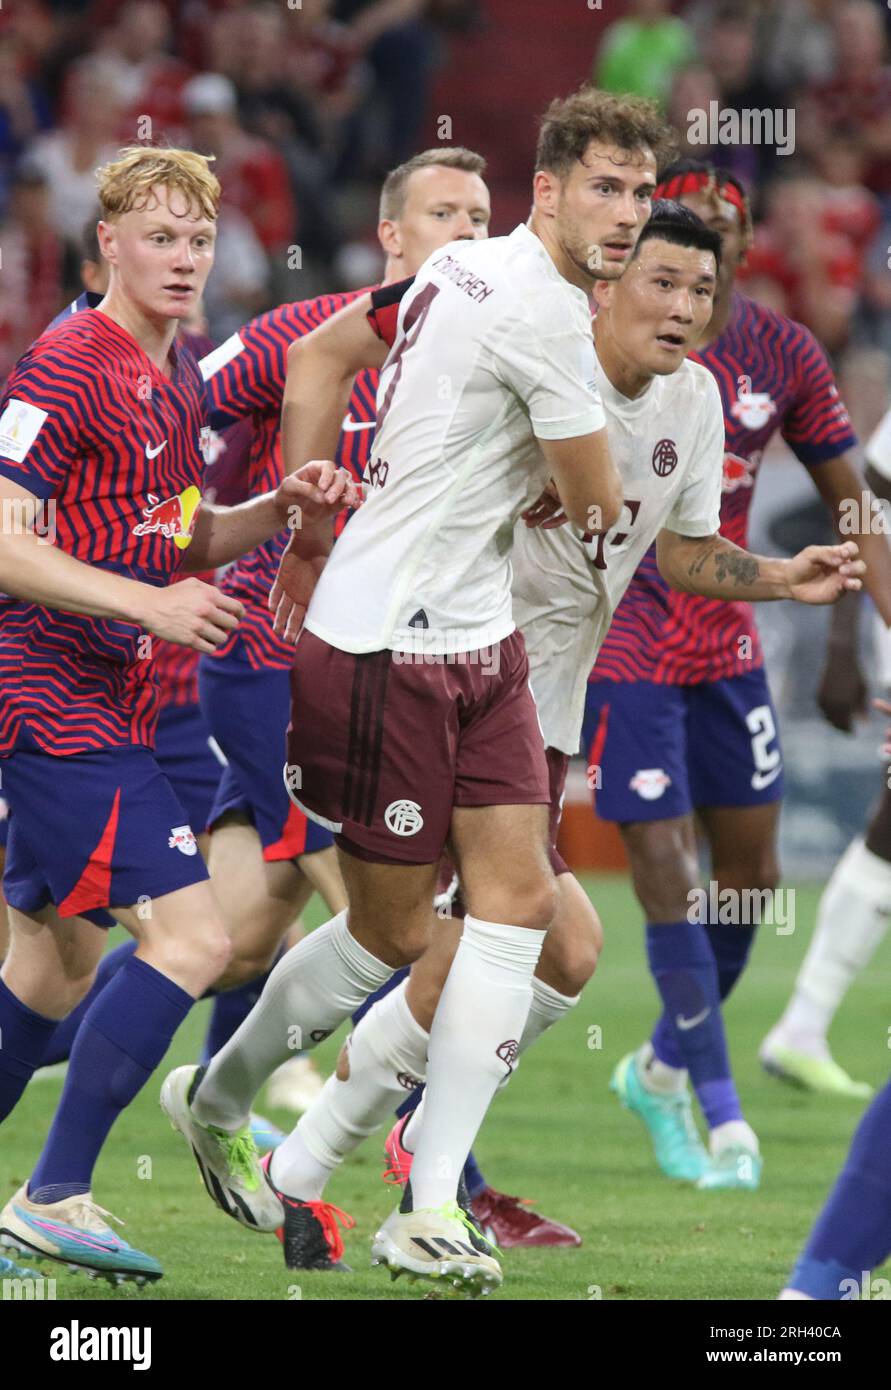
(730, 564)
(736, 566)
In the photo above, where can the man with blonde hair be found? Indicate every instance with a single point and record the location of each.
(102, 428)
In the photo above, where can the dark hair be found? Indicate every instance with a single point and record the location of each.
(89, 239)
(570, 124)
(717, 175)
(671, 221)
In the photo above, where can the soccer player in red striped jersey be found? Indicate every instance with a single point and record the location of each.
(101, 434)
(680, 717)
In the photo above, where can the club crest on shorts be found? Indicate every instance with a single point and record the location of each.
(508, 1052)
(665, 458)
(650, 783)
(403, 817)
(182, 838)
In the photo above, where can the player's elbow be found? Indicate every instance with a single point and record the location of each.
(596, 509)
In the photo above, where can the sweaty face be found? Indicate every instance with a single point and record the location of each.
(441, 205)
(721, 217)
(602, 207)
(162, 254)
(660, 308)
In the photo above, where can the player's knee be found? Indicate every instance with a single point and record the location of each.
(197, 960)
(664, 875)
(758, 872)
(535, 907)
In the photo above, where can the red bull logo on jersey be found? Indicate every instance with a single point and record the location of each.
(174, 517)
(183, 839)
(754, 409)
(738, 472)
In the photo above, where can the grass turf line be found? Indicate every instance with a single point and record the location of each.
(556, 1134)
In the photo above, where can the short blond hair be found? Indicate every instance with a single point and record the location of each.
(395, 184)
(126, 183)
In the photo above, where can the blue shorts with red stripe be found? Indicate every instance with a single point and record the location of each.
(186, 753)
(248, 712)
(93, 830)
(660, 751)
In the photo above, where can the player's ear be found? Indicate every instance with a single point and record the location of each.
(106, 238)
(603, 293)
(546, 188)
(389, 238)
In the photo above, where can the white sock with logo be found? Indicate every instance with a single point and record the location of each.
(314, 987)
(387, 1060)
(852, 919)
(658, 1076)
(474, 1043)
(547, 1008)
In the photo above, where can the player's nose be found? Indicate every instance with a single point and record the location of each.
(466, 228)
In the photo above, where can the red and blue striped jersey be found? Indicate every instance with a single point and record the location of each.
(773, 375)
(113, 449)
(246, 377)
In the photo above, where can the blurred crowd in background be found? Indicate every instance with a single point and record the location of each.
(307, 103)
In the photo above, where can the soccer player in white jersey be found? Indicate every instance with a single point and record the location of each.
(566, 586)
(488, 393)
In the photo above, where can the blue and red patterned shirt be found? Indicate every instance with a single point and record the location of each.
(113, 448)
(773, 375)
(246, 379)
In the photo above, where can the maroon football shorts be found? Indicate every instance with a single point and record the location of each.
(383, 746)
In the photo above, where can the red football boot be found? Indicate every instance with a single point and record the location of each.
(509, 1222)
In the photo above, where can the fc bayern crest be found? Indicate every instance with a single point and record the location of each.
(665, 458)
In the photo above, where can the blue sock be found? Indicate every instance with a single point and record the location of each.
(62, 1041)
(231, 1007)
(852, 1235)
(686, 976)
(395, 979)
(473, 1177)
(25, 1037)
(125, 1034)
(731, 946)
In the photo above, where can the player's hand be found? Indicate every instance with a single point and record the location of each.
(192, 614)
(316, 492)
(291, 592)
(841, 694)
(547, 511)
(822, 573)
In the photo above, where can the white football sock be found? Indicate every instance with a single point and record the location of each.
(387, 1057)
(657, 1076)
(314, 987)
(547, 1008)
(732, 1132)
(299, 1173)
(474, 1042)
(852, 918)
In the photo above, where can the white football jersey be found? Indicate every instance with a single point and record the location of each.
(493, 350)
(668, 446)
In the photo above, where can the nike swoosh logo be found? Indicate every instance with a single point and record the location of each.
(760, 780)
(685, 1023)
(351, 425)
(151, 453)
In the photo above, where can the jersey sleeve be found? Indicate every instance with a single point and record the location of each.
(878, 447)
(697, 510)
(384, 312)
(245, 375)
(43, 424)
(546, 357)
(818, 426)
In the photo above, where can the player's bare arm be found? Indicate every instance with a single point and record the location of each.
(586, 479)
(306, 501)
(716, 568)
(321, 370)
(193, 614)
(841, 484)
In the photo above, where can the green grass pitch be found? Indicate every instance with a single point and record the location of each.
(556, 1135)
